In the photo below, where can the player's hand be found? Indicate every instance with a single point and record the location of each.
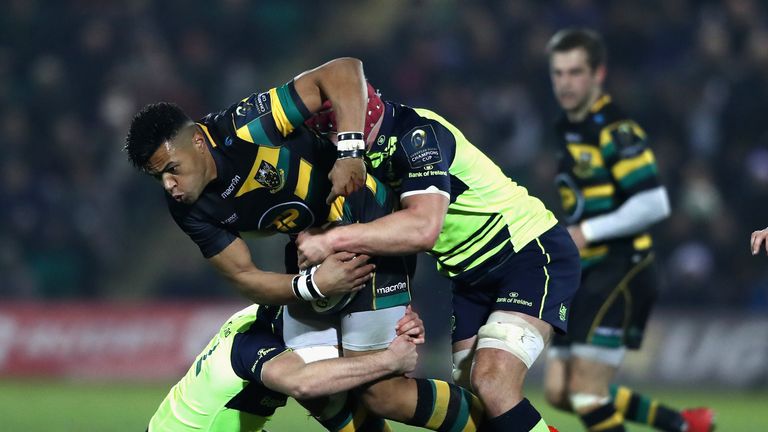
(577, 235)
(412, 326)
(343, 272)
(346, 176)
(313, 246)
(404, 355)
(758, 237)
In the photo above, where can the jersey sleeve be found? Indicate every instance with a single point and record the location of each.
(210, 238)
(624, 147)
(268, 117)
(422, 158)
(252, 349)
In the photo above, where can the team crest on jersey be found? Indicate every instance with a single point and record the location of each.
(583, 167)
(270, 177)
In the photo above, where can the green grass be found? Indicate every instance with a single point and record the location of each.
(75, 406)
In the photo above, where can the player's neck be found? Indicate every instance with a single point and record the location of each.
(374, 133)
(580, 113)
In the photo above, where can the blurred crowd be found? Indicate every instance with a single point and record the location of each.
(78, 222)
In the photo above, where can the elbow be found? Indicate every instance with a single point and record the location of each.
(427, 236)
(304, 389)
(348, 66)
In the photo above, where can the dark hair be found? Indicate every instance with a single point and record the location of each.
(151, 127)
(589, 40)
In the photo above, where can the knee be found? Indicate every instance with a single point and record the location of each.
(390, 398)
(557, 397)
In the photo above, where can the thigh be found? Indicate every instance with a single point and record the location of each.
(302, 327)
(370, 330)
(541, 279)
(612, 306)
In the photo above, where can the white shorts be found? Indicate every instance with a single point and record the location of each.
(358, 331)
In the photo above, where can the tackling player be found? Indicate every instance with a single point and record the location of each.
(514, 270)
(611, 193)
(256, 167)
(246, 372)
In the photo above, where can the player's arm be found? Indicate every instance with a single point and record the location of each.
(633, 168)
(412, 229)
(758, 237)
(288, 374)
(342, 82)
(338, 274)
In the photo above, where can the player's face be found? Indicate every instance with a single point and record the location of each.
(573, 80)
(181, 166)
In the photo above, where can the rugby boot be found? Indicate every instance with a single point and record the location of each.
(699, 419)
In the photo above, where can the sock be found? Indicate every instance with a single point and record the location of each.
(604, 419)
(523, 417)
(343, 414)
(641, 409)
(442, 406)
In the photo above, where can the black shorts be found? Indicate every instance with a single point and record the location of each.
(612, 306)
(538, 280)
(391, 282)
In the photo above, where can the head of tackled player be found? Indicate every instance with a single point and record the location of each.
(166, 144)
(324, 121)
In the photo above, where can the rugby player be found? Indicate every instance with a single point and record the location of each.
(246, 372)
(514, 270)
(757, 239)
(255, 167)
(610, 190)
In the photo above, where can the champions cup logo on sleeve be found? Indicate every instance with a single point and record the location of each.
(421, 146)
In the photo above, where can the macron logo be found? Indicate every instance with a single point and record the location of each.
(231, 187)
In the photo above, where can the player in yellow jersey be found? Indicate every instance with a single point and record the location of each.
(246, 371)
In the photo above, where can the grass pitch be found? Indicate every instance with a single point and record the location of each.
(37, 405)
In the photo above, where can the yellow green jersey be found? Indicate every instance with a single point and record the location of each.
(489, 215)
(222, 390)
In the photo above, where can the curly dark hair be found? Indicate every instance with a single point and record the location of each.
(152, 126)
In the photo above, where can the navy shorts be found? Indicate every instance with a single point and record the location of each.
(538, 280)
(614, 302)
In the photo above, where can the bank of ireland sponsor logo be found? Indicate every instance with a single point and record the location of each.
(563, 312)
(514, 298)
(231, 188)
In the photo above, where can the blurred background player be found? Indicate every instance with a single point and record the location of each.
(245, 373)
(610, 191)
(513, 268)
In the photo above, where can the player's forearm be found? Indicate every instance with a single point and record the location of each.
(264, 287)
(633, 217)
(336, 375)
(398, 233)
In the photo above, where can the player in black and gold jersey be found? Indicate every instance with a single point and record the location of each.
(611, 194)
(255, 167)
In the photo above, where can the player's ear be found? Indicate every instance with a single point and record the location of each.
(198, 140)
(600, 73)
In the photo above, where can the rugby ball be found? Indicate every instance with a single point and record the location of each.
(331, 304)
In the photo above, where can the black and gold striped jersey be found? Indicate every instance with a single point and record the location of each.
(272, 172)
(604, 160)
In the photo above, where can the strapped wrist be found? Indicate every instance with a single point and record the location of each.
(348, 141)
(305, 288)
(347, 154)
